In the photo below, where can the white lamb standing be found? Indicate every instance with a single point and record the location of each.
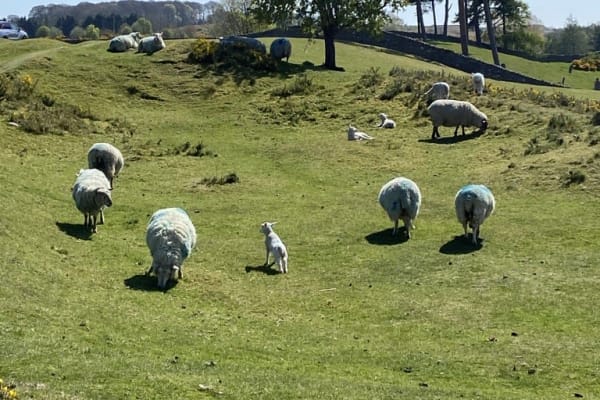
(151, 44)
(438, 91)
(171, 237)
(401, 198)
(275, 246)
(478, 82)
(355, 134)
(386, 122)
(455, 113)
(107, 158)
(91, 193)
(122, 43)
(474, 203)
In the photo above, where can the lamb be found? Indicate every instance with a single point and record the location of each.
(455, 113)
(386, 122)
(439, 90)
(151, 44)
(171, 237)
(401, 198)
(355, 134)
(478, 82)
(473, 204)
(281, 48)
(122, 43)
(275, 246)
(107, 158)
(91, 193)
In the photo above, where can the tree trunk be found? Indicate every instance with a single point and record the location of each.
(477, 29)
(446, 16)
(329, 39)
(464, 33)
(435, 31)
(491, 32)
(420, 21)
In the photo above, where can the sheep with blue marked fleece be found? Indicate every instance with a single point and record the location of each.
(171, 237)
(91, 194)
(478, 82)
(122, 43)
(473, 204)
(455, 113)
(107, 158)
(401, 199)
(439, 90)
(151, 44)
(355, 134)
(274, 245)
(386, 122)
(281, 48)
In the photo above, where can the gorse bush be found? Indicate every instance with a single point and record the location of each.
(232, 56)
(203, 51)
(7, 392)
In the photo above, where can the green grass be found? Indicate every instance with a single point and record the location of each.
(359, 316)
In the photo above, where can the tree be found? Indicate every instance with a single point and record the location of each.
(464, 33)
(327, 17)
(143, 26)
(491, 31)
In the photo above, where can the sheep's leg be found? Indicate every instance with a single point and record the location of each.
(475, 234)
(465, 229)
(267, 259)
(179, 273)
(149, 271)
(456, 130)
(463, 129)
(101, 217)
(407, 225)
(395, 230)
(93, 223)
(435, 132)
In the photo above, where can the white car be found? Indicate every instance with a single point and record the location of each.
(8, 30)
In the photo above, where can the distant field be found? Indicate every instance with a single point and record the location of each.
(361, 314)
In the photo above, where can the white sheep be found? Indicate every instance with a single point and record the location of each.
(474, 203)
(91, 193)
(478, 82)
(275, 246)
(281, 48)
(123, 43)
(151, 44)
(355, 134)
(386, 122)
(107, 158)
(455, 113)
(439, 90)
(401, 198)
(171, 237)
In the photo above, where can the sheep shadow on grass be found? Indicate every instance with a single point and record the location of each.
(385, 237)
(453, 139)
(265, 269)
(147, 283)
(461, 245)
(75, 230)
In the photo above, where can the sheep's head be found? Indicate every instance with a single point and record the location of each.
(484, 125)
(164, 273)
(351, 129)
(383, 116)
(267, 227)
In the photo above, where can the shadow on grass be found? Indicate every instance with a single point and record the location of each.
(385, 237)
(453, 139)
(75, 230)
(265, 269)
(461, 245)
(147, 283)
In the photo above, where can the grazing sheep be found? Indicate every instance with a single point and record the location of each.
(107, 158)
(243, 42)
(122, 43)
(474, 203)
(401, 198)
(455, 113)
(478, 82)
(355, 134)
(91, 193)
(151, 44)
(386, 122)
(170, 236)
(281, 48)
(438, 91)
(275, 246)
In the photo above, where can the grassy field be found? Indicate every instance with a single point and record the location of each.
(361, 314)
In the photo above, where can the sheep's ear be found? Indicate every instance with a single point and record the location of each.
(175, 268)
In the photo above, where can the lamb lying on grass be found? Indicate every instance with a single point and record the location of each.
(355, 134)
(386, 122)
(275, 246)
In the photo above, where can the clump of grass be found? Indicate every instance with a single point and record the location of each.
(370, 78)
(7, 392)
(573, 177)
(596, 118)
(198, 150)
(562, 122)
(301, 85)
(223, 180)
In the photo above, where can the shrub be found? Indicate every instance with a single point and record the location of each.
(7, 392)
(203, 51)
(223, 180)
(573, 177)
(301, 85)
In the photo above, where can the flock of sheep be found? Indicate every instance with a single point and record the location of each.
(171, 235)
